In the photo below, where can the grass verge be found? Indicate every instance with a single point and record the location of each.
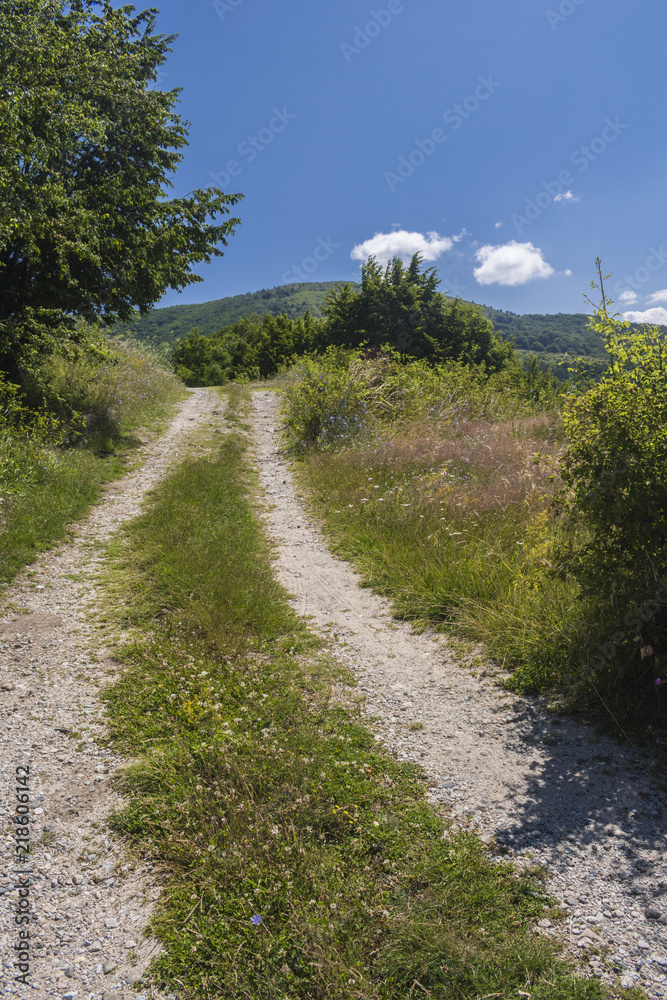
(46, 486)
(299, 859)
(452, 523)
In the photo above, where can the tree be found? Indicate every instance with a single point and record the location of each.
(402, 308)
(253, 347)
(87, 147)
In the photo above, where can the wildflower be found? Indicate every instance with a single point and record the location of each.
(256, 920)
(658, 682)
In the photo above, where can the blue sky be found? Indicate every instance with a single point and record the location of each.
(512, 142)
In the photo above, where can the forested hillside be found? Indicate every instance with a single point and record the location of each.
(164, 327)
(550, 337)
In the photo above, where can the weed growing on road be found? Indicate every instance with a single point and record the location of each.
(299, 859)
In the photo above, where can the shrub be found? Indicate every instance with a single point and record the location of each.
(615, 491)
(335, 396)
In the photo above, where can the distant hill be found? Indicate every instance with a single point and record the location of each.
(163, 327)
(548, 333)
(554, 338)
(551, 337)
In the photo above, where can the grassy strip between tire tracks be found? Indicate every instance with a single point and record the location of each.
(299, 859)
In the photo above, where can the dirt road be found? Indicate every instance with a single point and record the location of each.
(546, 788)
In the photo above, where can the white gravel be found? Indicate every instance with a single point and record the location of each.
(553, 791)
(546, 788)
(89, 906)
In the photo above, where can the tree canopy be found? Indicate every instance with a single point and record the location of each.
(87, 147)
(401, 307)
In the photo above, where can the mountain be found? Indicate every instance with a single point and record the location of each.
(552, 337)
(553, 334)
(163, 327)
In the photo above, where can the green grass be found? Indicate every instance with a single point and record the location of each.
(260, 794)
(453, 525)
(63, 485)
(46, 486)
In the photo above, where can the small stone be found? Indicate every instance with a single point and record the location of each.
(544, 923)
(95, 947)
(70, 996)
(130, 944)
(77, 879)
(109, 968)
(653, 913)
(111, 922)
(109, 996)
(643, 945)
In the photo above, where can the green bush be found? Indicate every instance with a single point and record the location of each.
(54, 460)
(251, 348)
(342, 393)
(615, 492)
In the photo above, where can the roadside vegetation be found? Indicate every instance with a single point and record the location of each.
(73, 430)
(398, 307)
(497, 507)
(299, 858)
(88, 236)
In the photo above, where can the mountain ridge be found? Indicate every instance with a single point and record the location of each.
(551, 336)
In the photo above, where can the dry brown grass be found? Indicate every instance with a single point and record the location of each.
(482, 465)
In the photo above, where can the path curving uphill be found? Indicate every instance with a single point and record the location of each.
(88, 906)
(546, 789)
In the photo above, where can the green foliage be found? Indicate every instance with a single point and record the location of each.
(327, 397)
(252, 348)
(615, 487)
(88, 145)
(553, 339)
(401, 308)
(43, 489)
(342, 393)
(170, 324)
(299, 858)
(53, 461)
(458, 528)
(397, 312)
(556, 333)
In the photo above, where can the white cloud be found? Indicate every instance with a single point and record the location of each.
(655, 297)
(657, 315)
(498, 225)
(566, 196)
(511, 264)
(628, 297)
(403, 244)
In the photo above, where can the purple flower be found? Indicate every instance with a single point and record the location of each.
(256, 920)
(658, 682)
